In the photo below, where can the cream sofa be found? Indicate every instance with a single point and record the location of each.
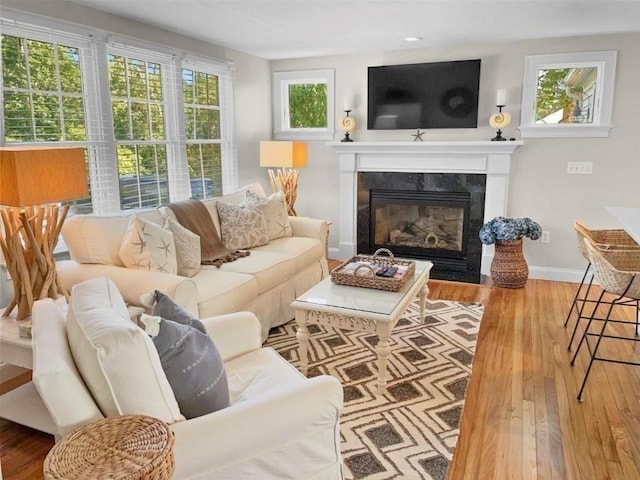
(265, 283)
(279, 424)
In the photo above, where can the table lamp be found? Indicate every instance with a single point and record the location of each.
(287, 157)
(33, 180)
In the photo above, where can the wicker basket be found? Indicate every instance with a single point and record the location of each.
(616, 270)
(604, 239)
(129, 447)
(364, 275)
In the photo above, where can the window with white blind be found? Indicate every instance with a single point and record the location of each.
(157, 127)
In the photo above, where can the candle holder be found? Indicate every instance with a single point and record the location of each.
(348, 124)
(499, 121)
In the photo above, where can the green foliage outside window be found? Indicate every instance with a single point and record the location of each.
(42, 88)
(308, 105)
(551, 95)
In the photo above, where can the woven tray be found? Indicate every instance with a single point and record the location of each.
(364, 275)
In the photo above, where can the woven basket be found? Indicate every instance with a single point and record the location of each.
(604, 239)
(365, 276)
(129, 447)
(617, 271)
(509, 268)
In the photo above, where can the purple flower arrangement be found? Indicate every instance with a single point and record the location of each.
(503, 229)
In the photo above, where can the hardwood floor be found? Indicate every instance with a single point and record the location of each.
(521, 417)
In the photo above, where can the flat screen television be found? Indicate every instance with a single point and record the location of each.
(424, 95)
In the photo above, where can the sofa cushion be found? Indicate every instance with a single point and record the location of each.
(192, 364)
(71, 407)
(255, 375)
(97, 239)
(268, 268)
(303, 250)
(116, 358)
(242, 226)
(166, 308)
(187, 247)
(223, 292)
(148, 246)
(275, 213)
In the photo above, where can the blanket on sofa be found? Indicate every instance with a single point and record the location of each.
(193, 215)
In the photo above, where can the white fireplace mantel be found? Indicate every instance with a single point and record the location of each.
(482, 157)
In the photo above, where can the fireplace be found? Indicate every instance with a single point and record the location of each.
(482, 158)
(425, 216)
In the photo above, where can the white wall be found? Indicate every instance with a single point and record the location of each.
(252, 74)
(539, 186)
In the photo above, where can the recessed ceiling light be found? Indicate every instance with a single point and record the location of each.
(412, 39)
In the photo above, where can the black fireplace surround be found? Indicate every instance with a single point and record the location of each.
(429, 216)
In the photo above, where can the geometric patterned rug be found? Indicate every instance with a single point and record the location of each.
(410, 432)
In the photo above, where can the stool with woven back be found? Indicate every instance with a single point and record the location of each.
(604, 239)
(617, 271)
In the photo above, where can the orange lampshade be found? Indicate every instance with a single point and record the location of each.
(37, 175)
(283, 154)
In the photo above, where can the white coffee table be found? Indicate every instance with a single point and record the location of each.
(362, 309)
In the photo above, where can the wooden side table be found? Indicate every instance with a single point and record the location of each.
(127, 447)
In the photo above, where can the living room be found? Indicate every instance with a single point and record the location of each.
(539, 186)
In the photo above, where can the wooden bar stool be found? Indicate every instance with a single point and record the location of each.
(131, 447)
(618, 273)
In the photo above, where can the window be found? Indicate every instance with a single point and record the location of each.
(303, 105)
(157, 127)
(568, 95)
(42, 91)
(201, 98)
(138, 109)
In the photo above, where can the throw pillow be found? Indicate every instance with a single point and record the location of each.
(187, 247)
(242, 226)
(165, 307)
(275, 213)
(193, 366)
(148, 246)
(116, 359)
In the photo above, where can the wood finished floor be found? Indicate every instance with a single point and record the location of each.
(521, 417)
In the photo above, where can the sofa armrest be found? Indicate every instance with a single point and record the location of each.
(234, 333)
(133, 283)
(306, 413)
(309, 227)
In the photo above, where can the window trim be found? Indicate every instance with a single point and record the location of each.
(604, 61)
(281, 82)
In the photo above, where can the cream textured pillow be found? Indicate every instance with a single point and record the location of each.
(187, 248)
(242, 226)
(275, 213)
(117, 359)
(148, 246)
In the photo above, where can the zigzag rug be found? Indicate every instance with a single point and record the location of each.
(409, 432)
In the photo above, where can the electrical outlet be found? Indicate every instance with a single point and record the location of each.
(579, 168)
(545, 237)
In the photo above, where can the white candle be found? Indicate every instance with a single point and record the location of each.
(347, 104)
(501, 97)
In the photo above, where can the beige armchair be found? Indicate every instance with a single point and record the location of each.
(280, 425)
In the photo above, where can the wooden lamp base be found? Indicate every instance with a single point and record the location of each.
(286, 180)
(30, 236)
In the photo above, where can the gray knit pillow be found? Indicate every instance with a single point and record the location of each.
(165, 307)
(193, 366)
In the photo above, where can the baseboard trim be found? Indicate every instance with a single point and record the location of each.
(556, 274)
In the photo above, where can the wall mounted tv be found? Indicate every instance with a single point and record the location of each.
(424, 95)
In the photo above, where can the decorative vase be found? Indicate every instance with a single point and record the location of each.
(509, 268)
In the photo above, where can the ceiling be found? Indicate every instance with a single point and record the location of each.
(274, 29)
